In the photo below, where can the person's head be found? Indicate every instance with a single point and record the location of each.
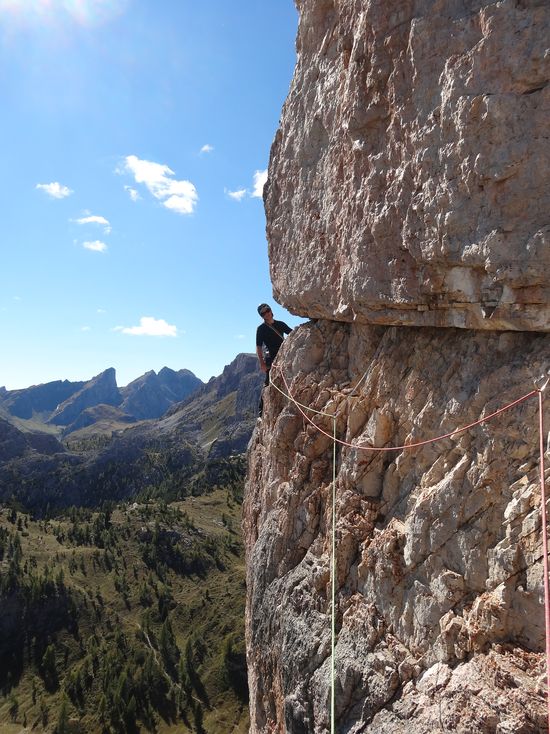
(264, 309)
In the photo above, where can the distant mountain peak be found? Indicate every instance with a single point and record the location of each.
(100, 389)
(151, 395)
(168, 371)
(62, 402)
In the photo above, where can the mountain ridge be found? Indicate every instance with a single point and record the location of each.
(108, 459)
(62, 403)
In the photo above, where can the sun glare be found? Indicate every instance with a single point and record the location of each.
(86, 13)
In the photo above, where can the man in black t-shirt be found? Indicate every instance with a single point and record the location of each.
(269, 337)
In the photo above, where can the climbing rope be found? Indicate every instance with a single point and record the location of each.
(333, 583)
(362, 447)
(544, 552)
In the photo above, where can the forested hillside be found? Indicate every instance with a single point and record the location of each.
(126, 618)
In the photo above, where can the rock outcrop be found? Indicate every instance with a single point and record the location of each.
(408, 180)
(407, 190)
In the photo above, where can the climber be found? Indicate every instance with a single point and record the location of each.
(269, 337)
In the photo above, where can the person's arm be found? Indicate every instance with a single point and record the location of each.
(261, 359)
(286, 328)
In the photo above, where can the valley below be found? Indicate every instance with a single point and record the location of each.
(122, 583)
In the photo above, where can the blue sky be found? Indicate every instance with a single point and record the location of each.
(134, 138)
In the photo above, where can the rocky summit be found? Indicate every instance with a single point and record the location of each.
(101, 389)
(152, 394)
(406, 211)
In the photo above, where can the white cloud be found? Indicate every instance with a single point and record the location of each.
(134, 195)
(95, 246)
(237, 195)
(149, 326)
(94, 219)
(55, 190)
(178, 196)
(101, 310)
(240, 336)
(207, 148)
(182, 198)
(260, 178)
(86, 328)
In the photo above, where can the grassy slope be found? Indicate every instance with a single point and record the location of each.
(36, 424)
(121, 604)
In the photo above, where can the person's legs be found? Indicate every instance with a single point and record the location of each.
(266, 383)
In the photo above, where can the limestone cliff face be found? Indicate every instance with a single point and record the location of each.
(405, 192)
(408, 182)
(439, 561)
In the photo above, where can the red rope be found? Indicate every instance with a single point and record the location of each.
(545, 552)
(407, 445)
(454, 433)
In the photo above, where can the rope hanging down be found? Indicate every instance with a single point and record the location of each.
(302, 408)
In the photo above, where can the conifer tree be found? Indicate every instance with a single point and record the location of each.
(198, 716)
(63, 717)
(13, 707)
(49, 671)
